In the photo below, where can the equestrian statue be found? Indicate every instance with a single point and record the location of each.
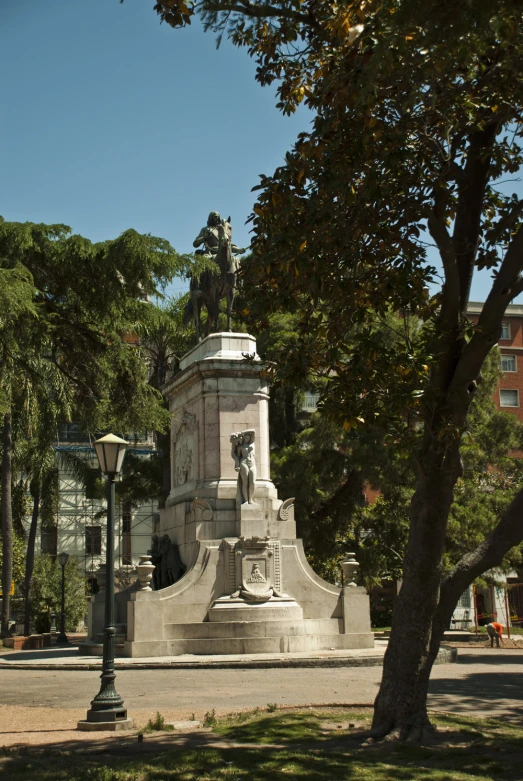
(208, 289)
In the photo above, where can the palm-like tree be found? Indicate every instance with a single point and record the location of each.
(45, 398)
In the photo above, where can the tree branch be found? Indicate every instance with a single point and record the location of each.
(256, 11)
(489, 554)
(507, 285)
(438, 231)
(471, 194)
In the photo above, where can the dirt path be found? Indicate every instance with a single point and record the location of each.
(43, 707)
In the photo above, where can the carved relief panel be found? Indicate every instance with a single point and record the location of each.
(185, 449)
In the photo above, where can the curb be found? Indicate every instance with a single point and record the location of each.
(258, 664)
(445, 656)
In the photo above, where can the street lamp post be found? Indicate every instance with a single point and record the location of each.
(107, 711)
(62, 638)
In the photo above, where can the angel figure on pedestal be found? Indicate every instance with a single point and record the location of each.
(244, 462)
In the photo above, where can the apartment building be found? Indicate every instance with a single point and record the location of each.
(508, 396)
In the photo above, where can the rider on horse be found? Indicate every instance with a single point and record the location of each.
(210, 236)
(210, 287)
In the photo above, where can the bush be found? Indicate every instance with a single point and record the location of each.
(381, 606)
(46, 593)
(210, 720)
(18, 559)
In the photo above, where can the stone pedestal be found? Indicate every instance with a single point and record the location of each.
(356, 609)
(247, 587)
(220, 391)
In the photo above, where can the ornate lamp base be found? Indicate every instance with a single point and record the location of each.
(114, 714)
(110, 719)
(107, 726)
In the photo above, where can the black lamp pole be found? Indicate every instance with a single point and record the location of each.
(62, 638)
(107, 706)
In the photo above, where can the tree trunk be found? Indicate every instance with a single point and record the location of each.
(400, 709)
(7, 524)
(30, 557)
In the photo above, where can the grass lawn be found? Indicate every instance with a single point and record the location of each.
(313, 745)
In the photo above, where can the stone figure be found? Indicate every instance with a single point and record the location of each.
(243, 455)
(210, 235)
(208, 289)
(256, 575)
(168, 564)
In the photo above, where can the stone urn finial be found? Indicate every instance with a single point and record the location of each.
(350, 567)
(145, 569)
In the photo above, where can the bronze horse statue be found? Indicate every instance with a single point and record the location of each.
(210, 287)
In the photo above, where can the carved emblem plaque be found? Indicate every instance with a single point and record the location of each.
(256, 578)
(254, 568)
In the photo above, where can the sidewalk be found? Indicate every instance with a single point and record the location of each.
(43, 707)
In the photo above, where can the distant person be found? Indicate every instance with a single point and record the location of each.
(495, 632)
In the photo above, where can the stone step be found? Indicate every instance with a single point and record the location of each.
(90, 648)
(461, 636)
(254, 645)
(226, 610)
(253, 629)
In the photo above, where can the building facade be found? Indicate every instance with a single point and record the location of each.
(508, 396)
(80, 524)
(501, 603)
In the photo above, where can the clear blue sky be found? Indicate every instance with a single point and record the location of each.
(110, 120)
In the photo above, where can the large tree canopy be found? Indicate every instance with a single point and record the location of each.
(72, 305)
(418, 111)
(70, 312)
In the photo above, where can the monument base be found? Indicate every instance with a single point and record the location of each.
(193, 617)
(247, 586)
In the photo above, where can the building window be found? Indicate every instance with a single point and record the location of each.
(310, 402)
(93, 540)
(508, 363)
(127, 553)
(509, 398)
(72, 432)
(505, 330)
(49, 542)
(464, 600)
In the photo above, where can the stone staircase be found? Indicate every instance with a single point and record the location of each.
(209, 638)
(254, 637)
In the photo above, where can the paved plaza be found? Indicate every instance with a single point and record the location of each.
(39, 706)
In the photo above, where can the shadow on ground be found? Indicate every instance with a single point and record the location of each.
(482, 692)
(40, 655)
(466, 751)
(493, 656)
